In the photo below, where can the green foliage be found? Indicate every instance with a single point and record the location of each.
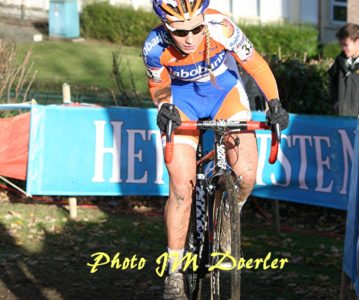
(303, 87)
(122, 25)
(331, 50)
(293, 40)
(129, 27)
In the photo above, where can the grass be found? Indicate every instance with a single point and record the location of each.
(44, 254)
(313, 271)
(86, 66)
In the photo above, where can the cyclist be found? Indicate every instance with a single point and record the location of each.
(191, 63)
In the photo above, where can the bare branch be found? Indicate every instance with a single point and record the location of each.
(15, 73)
(125, 81)
(29, 86)
(113, 97)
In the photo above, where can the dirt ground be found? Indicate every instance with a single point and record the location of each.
(56, 271)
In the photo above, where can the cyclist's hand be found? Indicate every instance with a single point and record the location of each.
(277, 114)
(165, 114)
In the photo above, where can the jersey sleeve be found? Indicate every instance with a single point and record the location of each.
(234, 40)
(159, 80)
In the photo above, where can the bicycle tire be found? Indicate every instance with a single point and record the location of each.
(226, 284)
(235, 220)
(197, 245)
(194, 282)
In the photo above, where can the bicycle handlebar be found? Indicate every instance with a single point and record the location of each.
(223, 125)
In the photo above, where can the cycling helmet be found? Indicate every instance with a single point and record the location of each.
(179, 10)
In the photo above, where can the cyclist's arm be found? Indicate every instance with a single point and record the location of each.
(258, 68)
(159, 80)
(227, 33)
(159, 85)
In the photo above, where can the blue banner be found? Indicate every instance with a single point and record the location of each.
(95, 151)
(314, 161)
(117, 151)
(351, 246)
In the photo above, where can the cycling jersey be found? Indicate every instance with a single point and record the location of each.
(192, 92)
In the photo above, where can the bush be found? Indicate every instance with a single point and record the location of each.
(293, 40)
(129, 27)
(303, 87)
(122, 25)
(331, 50)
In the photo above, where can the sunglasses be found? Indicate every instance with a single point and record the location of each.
(183, 32)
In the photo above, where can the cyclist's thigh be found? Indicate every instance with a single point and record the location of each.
(182, 169)
(244, 157)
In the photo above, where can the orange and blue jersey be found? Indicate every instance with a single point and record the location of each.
(192, 91)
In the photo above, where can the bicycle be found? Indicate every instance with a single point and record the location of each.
(215, 196)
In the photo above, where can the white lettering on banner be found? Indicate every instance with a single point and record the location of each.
(303, 158)
(101, 150)
(133, 159)
(309, 146)
(132, 156)
(316, 157)
(282, 159)
(321, 163)
(159, 155)
(262, 152)
(348, 150)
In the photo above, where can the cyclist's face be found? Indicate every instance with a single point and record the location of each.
(190, 42)
(350, 47)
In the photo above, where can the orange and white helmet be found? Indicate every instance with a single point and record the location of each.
(179, 10)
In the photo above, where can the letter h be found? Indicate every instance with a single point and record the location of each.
(101, 150)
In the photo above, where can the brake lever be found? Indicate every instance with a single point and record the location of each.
(169, 127)
(169, 137)
(278, 132)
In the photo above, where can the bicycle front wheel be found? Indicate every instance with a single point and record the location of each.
(197, 243)
(225, 281)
